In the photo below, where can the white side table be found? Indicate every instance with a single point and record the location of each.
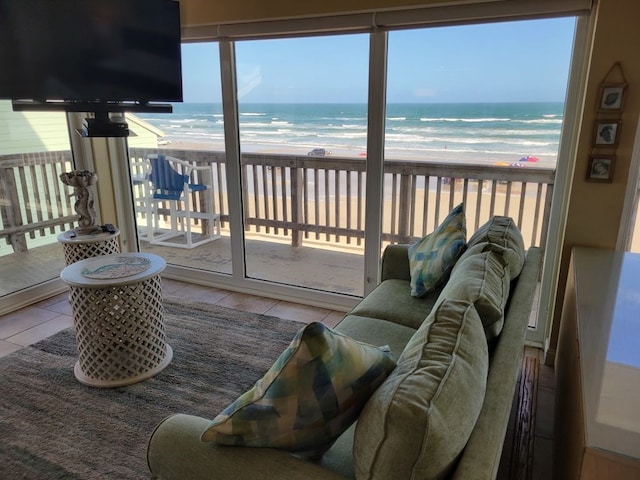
(80, 247)
(119, 318)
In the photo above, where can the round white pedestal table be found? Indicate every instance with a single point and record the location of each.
(119, 318)
(79, 247)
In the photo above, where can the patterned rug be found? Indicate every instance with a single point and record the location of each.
(53, 427)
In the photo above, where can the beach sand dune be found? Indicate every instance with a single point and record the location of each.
(489, 159)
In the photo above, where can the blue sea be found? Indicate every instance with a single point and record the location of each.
(468, 129)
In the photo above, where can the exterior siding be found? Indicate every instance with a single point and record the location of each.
(26, 132)
(31, 132)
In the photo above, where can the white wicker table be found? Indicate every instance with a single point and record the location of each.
(80, 247)
(119, 318)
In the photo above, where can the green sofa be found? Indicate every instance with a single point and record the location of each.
(399, 432)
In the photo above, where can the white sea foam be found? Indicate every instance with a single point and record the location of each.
(344, 135)
(557, 121)
(467, 120)
(482, 130)
(184, 120)
(348, 119)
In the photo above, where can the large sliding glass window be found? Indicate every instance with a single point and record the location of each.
(474, 115)
(181, 207)
(303, 133)
(35, 207)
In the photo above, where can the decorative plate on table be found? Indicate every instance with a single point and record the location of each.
(116, 267)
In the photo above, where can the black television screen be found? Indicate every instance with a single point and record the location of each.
(90, 50)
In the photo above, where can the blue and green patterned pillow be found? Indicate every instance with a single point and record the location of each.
(314, 391)
(432, 257)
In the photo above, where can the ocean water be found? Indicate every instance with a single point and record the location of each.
(469, 129)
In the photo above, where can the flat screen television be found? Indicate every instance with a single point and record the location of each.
(90, 53)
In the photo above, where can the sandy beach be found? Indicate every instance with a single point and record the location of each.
(489, 159)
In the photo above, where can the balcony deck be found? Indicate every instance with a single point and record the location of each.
(334, 269)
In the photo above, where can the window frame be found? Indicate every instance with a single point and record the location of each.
(226, 35)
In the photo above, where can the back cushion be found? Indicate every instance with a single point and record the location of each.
(419, 420)
(502, 235)
(482, 279)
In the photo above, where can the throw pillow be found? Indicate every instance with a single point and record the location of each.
(432, 257)
(419, 420)
(482, 279)
(500, 234)
(314, 391)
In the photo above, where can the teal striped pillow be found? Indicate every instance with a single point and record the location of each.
(432, 257)
(314, 391)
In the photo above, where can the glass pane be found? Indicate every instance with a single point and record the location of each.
(303, 123)
(35, 207)
(634, 241)
(178, 171)
(474, 115)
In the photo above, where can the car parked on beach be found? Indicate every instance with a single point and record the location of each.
(319, 152)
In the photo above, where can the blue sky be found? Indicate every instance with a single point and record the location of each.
(498, 62)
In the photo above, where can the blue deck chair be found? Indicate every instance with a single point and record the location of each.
(176, 188)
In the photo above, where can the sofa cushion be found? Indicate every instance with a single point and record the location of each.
(392, 300)
(432, 257)
(376, 331)
(418, 421)
(482, 279)
(500, 234)
(314, 391)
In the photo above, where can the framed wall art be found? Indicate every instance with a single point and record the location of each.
(611, 97)
(601, 168)
(611, 94)
(606, 133)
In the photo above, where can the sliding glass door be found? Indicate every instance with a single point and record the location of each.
(35, 207)
(474, 116)
(189, 227)
(284, 201)
(302, 105)
(296, 131)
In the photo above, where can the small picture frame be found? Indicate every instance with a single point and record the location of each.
(606, 133)
(611, 98)
(601, 168)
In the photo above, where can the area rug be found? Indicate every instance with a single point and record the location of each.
(53, 427)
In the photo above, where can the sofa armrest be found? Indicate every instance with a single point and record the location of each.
(395, 263)
(175, 451)
(481, 457)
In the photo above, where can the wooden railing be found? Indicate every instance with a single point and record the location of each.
(33, 201)
(300, 197)
(324, 199)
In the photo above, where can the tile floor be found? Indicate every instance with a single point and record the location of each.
(41, 320)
